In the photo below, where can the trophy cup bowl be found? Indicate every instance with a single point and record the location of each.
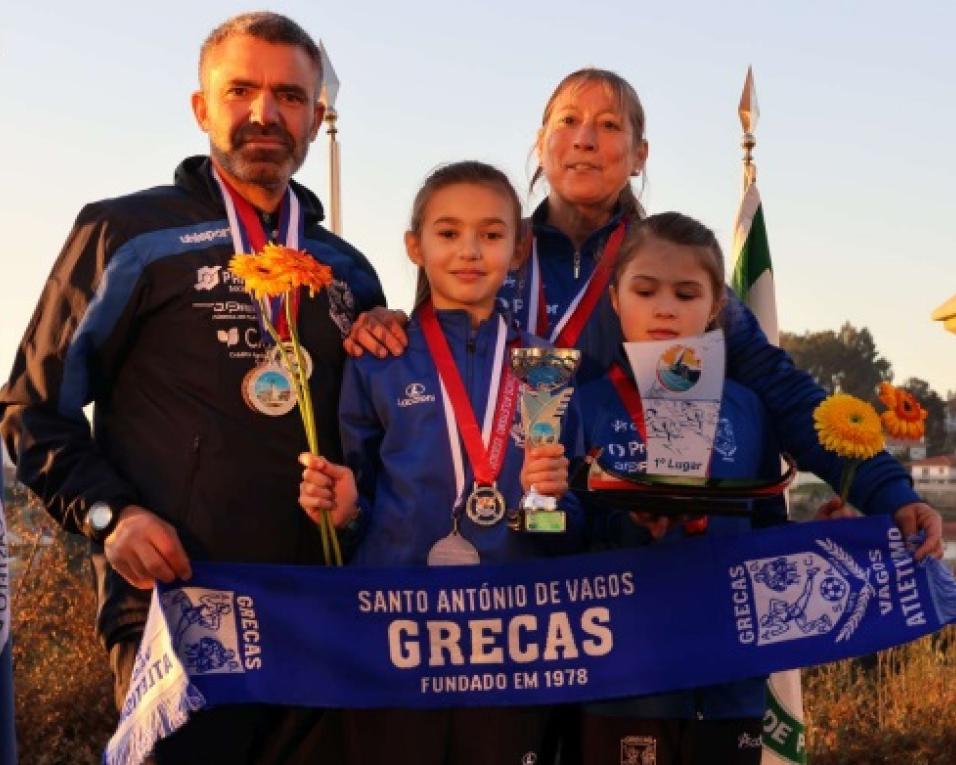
(544, 369)
(545, 374)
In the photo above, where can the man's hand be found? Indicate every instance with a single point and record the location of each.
(327, 486)
(918, 516)
(379, 331)
(143, 548)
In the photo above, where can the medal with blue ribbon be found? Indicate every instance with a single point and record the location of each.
(267, 388)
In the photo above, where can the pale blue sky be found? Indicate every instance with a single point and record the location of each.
(854, 144)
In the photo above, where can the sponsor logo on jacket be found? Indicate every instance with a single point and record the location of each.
(205, 236)
(415, 394)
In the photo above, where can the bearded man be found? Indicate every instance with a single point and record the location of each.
(190, 457)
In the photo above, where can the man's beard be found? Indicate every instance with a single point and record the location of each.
(267, 166)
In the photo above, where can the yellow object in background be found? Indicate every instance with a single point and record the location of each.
(946, 313)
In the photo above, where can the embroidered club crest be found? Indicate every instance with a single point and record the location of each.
(725, 443)
(808, 594)
(203, 628)
(638, 750)
(341, 306)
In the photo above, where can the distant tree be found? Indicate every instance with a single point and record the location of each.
(935, 408)
(846, 360)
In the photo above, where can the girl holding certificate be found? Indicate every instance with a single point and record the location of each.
(666, 283)
(434, 455)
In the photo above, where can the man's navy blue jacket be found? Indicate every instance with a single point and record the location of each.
(140, 317)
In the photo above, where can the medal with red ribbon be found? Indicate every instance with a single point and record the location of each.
(486, 447)
(565, 333)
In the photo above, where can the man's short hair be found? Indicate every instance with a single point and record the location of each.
(268, 27)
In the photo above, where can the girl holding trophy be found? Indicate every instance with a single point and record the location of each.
(434, 456)
(668, 283)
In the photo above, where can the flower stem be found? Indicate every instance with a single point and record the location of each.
(308, 418)
(300, 383)
(846, 480)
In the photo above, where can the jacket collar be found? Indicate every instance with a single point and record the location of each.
(456, 324)
(194, 175)
(591, 245)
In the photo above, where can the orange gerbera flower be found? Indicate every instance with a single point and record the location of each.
(259, 275)
(904, 418)
(278, 269)
(301, 269)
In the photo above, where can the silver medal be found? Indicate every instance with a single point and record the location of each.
(485, 505)
(453, 550)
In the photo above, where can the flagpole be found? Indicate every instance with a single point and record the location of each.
(784, 731)
(327, 95)
(335, 202)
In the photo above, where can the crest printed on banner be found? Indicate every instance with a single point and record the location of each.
(809, 594)
(203, 628)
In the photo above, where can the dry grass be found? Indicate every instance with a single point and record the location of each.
(64, 709)
(898, 707)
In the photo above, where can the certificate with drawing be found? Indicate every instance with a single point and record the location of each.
(681, 382)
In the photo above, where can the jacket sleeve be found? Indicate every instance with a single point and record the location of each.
(362, 433)
(58, 368)
(359, 272)
(790, 395)
(771, 511)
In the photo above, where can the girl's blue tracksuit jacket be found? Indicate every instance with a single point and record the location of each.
(394, 437)
(743, 448)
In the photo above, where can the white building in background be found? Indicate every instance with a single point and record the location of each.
(906, 451)
(934, 472)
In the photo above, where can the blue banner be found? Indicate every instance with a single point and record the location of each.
(8, 739)
(668, 616)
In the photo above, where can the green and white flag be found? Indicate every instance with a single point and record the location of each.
(753, 273)
(783, 730)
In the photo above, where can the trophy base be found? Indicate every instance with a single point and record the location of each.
(530, 521)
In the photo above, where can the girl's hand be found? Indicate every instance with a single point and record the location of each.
(327, 486)
(835, 508)
(379, 331)
(918, 516)
(657, 525)
(545, 468)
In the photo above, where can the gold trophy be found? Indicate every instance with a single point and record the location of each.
(544, 374)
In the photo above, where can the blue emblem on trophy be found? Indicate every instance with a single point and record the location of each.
(545, 374)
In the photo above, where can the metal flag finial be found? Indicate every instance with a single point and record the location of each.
(327, 95)
(749, 112)
(330, 80)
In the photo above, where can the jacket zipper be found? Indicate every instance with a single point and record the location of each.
(191, 478)
(577, 265)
